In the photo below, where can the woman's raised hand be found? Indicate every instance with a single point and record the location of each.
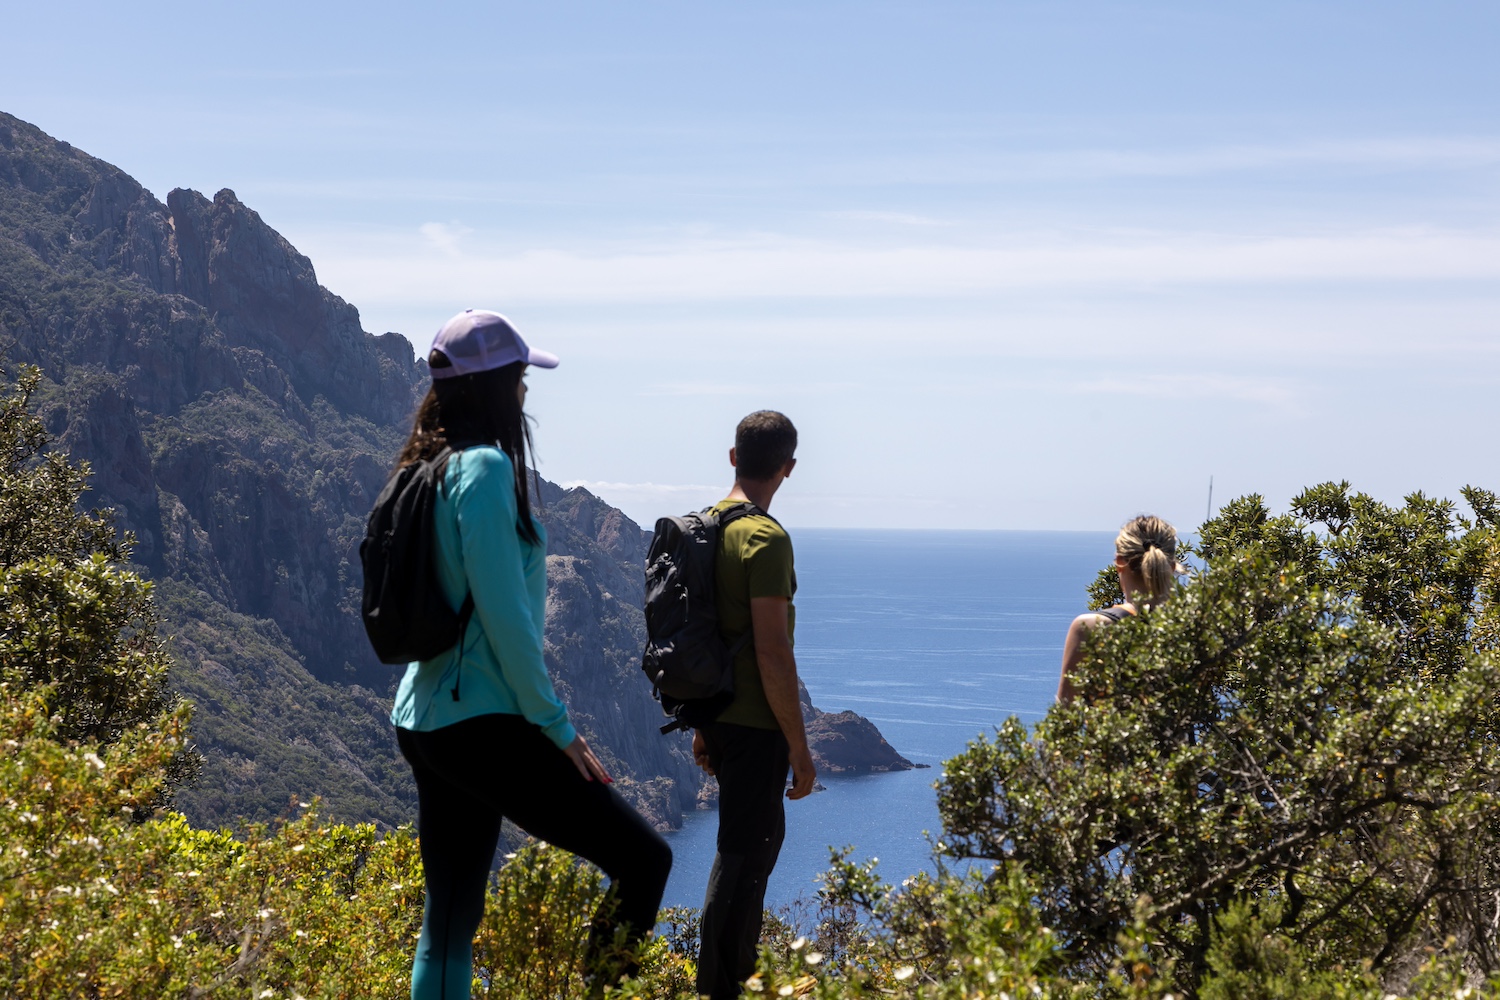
(588, 765)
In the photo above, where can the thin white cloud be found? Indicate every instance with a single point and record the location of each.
(740, 389)
(790, 268)
(577, 187)
(1271, 392)
(889, 218)
(1393, 153)
(444, 237)
(700, 389)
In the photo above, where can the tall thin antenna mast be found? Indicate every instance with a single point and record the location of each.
(1209, 513)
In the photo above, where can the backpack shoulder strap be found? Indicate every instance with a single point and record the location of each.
(744, 508)
(728, 516)
(439, 464)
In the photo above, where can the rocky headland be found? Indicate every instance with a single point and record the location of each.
(240, 421)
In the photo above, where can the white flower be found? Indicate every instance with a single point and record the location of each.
(93, 759)
(299, 847)
(799, 944)
(904, 973)
(814, 957)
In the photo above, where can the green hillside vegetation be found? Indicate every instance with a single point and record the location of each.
(1278, 785)
(1304, 735)
(201, 447)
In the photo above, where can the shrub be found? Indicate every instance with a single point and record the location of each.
(1307, 724)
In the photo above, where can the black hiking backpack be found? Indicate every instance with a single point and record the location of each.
(690, 667)
(405, 614)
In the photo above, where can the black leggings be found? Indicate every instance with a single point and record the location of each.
(751, 765)
(473, 773)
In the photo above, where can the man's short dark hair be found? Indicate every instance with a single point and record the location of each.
(763, 443)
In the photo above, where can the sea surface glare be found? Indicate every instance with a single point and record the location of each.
(936, 637)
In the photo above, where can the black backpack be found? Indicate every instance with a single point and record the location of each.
(405, 614)
(690, 667)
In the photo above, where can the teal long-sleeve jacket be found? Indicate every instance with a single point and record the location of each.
(498, 667)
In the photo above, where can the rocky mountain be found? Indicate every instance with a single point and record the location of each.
(240, 421)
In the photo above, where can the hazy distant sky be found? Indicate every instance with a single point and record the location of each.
(1005, 265)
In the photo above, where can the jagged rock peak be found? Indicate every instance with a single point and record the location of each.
(78, 216)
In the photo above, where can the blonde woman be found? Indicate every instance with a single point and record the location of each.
(1146, 561)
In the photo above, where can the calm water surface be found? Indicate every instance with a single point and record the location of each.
(936, 637)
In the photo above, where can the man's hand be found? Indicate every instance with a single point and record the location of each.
(803, 774)
(700, 753)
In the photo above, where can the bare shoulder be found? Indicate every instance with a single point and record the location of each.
(1089, 620)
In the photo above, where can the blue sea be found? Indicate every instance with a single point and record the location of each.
(936, 637)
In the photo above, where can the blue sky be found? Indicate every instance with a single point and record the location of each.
(1005, 265)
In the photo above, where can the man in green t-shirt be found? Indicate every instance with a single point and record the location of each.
(753, 742)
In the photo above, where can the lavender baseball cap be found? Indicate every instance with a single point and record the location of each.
(477, 340)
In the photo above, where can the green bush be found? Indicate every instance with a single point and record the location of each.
(1280, 784)
(75, 624)
(1307, 724)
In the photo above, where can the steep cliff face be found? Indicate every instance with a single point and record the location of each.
(241, 422)
(205, 373)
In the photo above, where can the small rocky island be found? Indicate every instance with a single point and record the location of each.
(848, 743)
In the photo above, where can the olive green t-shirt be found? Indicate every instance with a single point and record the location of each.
(755, 560)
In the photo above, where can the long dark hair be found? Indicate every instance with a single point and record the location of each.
(482, 407)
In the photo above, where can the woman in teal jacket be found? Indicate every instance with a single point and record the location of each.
(481, 725)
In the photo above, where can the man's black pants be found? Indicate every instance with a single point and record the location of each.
(751, 765)
(473, 773)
